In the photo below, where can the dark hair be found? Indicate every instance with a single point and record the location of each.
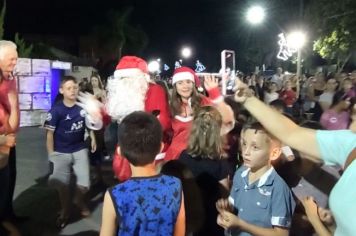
(278, 103)
(176, 101)
(140, 138)
(253, 125)
(257, 126)
(96, 75)
(312, 125)
(337, 82)
(338, 97)
(67, 78)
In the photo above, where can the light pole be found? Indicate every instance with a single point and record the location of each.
(296, 40)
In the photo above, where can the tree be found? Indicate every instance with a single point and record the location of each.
(115, 37)
(2, 20)
(336, 46)
(23, 50)
(334, 25)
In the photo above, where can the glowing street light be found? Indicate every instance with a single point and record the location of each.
(153, 66)
(186, 52)
(296, 40)
(255, 15)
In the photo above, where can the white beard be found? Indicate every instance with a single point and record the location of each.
(125, 96)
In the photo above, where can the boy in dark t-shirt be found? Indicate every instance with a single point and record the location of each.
(66, 148)
(148, 203)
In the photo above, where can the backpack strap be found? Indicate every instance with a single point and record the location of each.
(350, 158)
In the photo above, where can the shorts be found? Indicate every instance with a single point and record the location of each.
(63, 164)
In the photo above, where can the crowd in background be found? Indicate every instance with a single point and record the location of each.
(241, 166)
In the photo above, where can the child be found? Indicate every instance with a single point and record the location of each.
(204, 157)
(321, 219)
(288, 96)
(260, 202)
(194, 209)
(148, 203)
(67, 149)
(271, 94)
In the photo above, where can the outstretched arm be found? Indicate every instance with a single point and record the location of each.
(299, 138)
(228, 118)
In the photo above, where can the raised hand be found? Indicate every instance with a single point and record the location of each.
(210, 82)
(93, 108)
(311, 208)
(90, 104)
(242, 91)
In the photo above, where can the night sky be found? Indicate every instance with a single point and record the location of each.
(208, 26)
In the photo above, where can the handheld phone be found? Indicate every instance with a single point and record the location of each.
(228, 68)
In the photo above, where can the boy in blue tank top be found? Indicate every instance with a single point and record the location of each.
(148, 203)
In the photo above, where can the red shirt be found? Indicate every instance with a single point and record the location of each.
(7, 85)
(289, 97)
(181, 130)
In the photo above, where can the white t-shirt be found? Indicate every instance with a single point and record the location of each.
(269, 97)
(327, 97)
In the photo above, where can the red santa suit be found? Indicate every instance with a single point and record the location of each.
(181, 125)
(145, 95)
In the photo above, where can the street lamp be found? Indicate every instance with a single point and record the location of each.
(255, 15)
(186, 52)
(296, 40)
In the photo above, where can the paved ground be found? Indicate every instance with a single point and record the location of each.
(38, 202)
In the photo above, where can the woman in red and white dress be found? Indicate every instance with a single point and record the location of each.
(186, 100)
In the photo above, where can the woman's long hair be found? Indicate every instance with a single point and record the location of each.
(205, 139)
(96, 75)
(176, 101)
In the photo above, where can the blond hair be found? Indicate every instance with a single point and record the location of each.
(205, 140)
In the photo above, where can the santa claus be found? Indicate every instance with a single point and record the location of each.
(131, 89)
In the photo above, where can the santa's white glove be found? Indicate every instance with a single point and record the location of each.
(94, 118)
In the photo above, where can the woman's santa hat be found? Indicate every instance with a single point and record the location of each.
(185, 73)
(131, 66)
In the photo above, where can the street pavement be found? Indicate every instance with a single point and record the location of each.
(38, 203)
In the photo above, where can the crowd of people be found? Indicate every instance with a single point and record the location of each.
(273, 158)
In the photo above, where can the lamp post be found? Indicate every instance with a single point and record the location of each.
(296, 40)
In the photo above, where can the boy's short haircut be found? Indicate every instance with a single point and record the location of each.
(140, 138)
(258, 127)
(254, 125)
(67, 78)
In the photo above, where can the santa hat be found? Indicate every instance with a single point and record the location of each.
(131, 66)
(185, 73)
